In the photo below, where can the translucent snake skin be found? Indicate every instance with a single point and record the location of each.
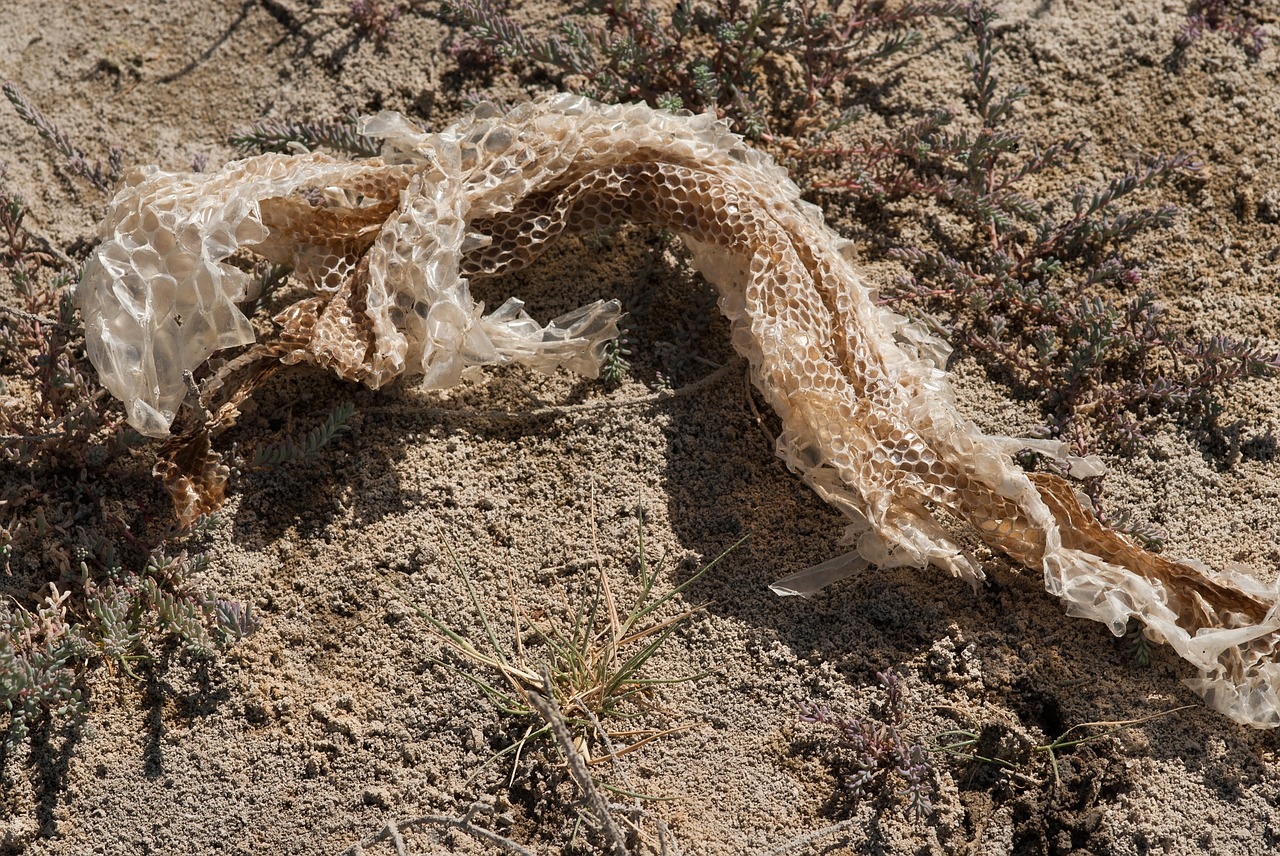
(386, 247)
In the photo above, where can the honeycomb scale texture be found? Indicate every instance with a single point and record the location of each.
(387, 246)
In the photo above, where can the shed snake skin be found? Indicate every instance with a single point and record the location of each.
(386, 248)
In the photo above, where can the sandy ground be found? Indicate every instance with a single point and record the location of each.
(339, 715)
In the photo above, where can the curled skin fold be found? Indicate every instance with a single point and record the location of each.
(386, 248)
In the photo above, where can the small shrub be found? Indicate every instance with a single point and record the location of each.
(109, 614)
(39, 652)
(375, 18)
(103, 582)
(290, 450)
(875, 750)
(102, 176)
(1049, 298)
(711, 56)
(1232, 17)
(280, 135)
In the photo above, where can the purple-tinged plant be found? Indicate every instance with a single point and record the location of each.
(1228, 16)
(873, 749)
(375, 18)
(710, 56)
(102, 177)
(69, 527)
(1049, 297)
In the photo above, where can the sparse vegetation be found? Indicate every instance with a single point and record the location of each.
(712, 56)
(102, 176)
(290, 449)
(581, 678)
(1039, 285)
(107, 583)
(281, 135)
(594, 660)
(1051, 300)
(1235, 18)
(875, 749)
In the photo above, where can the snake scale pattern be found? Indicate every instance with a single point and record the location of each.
(386, 247)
